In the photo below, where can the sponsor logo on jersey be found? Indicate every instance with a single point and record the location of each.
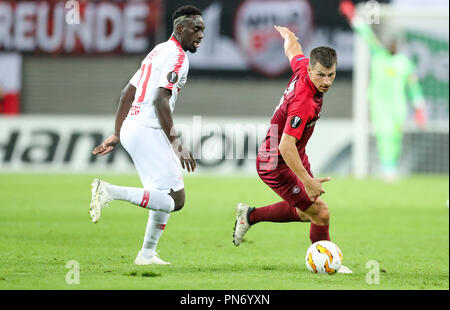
(296, 121)
(172, 77)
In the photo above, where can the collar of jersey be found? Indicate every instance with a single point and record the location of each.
(172, 38)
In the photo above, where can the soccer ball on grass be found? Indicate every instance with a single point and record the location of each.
(323, 257)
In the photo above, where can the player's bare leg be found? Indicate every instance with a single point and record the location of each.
(319, 214)
(303, 217)
(179, 197)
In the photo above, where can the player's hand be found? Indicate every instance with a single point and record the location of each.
(285, 32)
(185, 156)
(347, 8)
(420, 117)
(314, 187)
(107, 146)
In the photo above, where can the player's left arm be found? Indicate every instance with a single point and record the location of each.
(291, 45)
(125, 101)
(289, 152)
(164, 114)
(417, 98)
(298, 117)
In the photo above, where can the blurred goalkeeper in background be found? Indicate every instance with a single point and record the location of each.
(392, 79)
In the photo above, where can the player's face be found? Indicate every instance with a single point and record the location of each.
(392, 47)
(322, 77)
(192, 34)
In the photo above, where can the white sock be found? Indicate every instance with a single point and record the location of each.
(155, 226)
(152, 199)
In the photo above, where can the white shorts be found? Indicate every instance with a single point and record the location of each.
(153, 156)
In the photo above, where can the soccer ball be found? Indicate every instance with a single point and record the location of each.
(323, 257)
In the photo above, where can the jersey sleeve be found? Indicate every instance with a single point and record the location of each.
(135, 78)
(171, 69)
(297, 118)
(414, 91)
(299, 62)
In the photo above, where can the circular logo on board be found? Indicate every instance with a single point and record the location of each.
(260, 42)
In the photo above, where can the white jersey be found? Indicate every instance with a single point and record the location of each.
(165, 66)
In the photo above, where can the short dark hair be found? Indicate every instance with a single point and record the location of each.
(186, 10)
(325, 55)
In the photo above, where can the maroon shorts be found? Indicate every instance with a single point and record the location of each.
(283, 181)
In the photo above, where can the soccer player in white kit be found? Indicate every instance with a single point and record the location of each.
(144, 127)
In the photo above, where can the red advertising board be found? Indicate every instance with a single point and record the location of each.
(78, 27)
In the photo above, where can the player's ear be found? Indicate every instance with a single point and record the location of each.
(179, 28)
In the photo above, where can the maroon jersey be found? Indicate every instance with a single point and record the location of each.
(295, 115)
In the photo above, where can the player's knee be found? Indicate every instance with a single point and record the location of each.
(179, 198)
(320, 213)
(179, 201)
(179, 204)
(324, 214)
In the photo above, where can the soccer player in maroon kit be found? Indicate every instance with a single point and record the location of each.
(282, 162)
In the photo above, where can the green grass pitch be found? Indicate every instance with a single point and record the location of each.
(44, 224)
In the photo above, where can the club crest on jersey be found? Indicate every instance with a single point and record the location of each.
(296, 121)
(172, 77)
(296, 189)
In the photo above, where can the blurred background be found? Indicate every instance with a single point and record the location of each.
(63, 65)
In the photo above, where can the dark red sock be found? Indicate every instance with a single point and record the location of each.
(277, 212)
(319, 232)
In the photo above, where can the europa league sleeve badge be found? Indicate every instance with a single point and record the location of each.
(172, 77)
(296, 121)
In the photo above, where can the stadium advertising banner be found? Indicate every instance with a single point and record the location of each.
(10, 82)
(239, 34)
(220, 145)
(78, 27)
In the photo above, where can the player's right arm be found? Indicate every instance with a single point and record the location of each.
(289, 152)
(291, 45)
(125, 101)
